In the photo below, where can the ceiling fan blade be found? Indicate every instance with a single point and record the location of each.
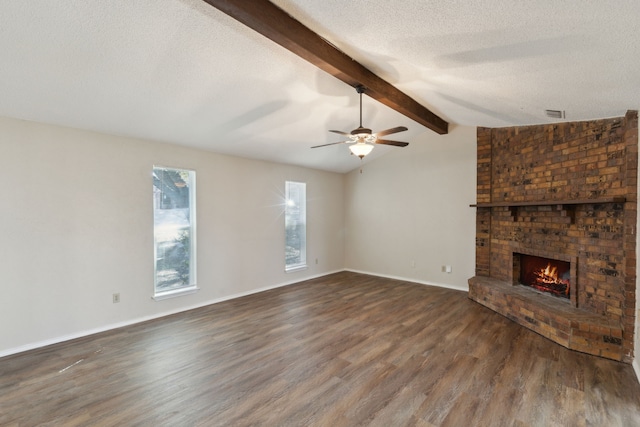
(331, 143)
(340, 132)
(390, 131)
(389, 142)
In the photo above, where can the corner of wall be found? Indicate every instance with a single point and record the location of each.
(636, 352)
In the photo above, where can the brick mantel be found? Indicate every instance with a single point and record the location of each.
(568, 189)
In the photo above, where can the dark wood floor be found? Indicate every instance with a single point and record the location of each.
(343, 350)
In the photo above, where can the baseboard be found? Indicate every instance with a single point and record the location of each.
(409, 279)
(81, 334)
(636, 367)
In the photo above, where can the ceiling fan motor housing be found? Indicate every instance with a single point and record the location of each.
(360, 130)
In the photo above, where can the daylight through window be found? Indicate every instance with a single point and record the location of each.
(174, 231)
(295, 219)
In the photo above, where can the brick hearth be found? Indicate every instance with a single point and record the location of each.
(568, 191)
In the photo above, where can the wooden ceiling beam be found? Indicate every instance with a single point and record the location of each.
(280, 27)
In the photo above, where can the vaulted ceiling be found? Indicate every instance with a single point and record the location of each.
(183, 72)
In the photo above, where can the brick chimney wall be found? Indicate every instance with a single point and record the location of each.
(588, 160)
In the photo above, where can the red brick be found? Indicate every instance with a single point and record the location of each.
(578, 160)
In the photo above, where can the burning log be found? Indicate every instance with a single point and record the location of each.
(547, 280)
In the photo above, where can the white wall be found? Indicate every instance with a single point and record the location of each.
(412, 205)
(76, 225)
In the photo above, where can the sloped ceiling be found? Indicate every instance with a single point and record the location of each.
(180, 71)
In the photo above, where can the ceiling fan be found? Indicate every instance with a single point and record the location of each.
(362, 139)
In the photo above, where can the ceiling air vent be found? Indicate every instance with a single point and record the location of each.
(555, 114)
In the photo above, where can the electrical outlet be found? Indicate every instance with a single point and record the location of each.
(316, 261)
(116, 298)
(413, 263)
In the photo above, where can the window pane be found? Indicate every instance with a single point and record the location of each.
(295, 219)
(174, 224)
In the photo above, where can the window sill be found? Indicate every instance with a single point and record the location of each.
(295, 268)
(176, 293)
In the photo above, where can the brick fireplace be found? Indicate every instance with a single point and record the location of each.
(565, 192)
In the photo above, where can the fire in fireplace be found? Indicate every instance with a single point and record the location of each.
(546, 275)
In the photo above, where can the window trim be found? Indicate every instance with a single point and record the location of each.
(192, 287)
(291, 268)
(176, 293)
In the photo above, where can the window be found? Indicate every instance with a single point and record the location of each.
(295, 225)
(174, 231)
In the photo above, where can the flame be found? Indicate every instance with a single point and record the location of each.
(550, 272)
(549, 276)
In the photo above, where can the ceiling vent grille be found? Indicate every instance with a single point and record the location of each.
(555, 114)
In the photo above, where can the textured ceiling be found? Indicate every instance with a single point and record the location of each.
(180, 71)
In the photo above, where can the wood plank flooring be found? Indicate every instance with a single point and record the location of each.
(343, 350)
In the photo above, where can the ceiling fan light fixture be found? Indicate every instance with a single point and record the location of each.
(361, 149)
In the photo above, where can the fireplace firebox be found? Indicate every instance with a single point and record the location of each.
(546, 275)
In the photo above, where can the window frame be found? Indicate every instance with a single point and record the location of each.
(302, 218)
(191, 286)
